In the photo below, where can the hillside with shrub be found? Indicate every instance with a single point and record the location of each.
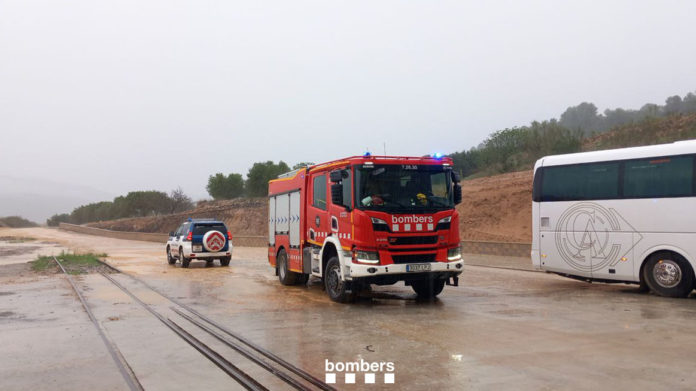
(579, 128)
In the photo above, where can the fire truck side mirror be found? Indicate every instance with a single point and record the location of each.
(455, 177)
(457, 194)
(336, 176)
(336, 193)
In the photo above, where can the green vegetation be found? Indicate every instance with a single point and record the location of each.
(256, 185)
(225, 187)
(73, 263)
(259, 175)
(16, 222)
(580, 128)
(134, 204)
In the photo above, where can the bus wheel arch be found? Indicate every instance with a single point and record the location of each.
(668, 273)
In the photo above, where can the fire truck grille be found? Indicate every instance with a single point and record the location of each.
(414, 258)
(411, 240)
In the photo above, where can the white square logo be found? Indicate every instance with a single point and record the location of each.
(369, 378)
(395, 227)
(350, 378)
(330, 378)
(407, 227)
(388, 378)
(419, 227)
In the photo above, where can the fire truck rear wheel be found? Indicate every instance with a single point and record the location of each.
(337, 289)
(428, 288)
(285, 276)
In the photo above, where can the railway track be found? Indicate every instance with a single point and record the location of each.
(293, 376)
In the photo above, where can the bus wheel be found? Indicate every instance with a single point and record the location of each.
(428, 288)
(669, 274)
(285, 276)
(336, 288)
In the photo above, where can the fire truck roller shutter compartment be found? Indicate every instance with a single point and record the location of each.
(271, 220)
(283, 213)
(294, 219)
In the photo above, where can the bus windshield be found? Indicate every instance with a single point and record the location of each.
(403, 188)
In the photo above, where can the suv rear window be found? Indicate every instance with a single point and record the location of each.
(202, 229)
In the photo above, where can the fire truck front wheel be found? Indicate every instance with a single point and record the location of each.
(428, 288)
(337, 289)
(285, 276)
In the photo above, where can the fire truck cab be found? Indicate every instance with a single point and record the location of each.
(367, 220)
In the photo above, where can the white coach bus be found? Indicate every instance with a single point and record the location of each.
(623, 215)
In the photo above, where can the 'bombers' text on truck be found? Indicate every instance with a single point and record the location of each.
(367, 220)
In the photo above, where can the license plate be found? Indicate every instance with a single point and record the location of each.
(197, 248)
(418, 267)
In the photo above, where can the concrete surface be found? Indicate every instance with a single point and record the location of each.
(501, 329)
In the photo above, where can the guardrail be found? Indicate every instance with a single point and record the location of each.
(241, 240)
(509, 249)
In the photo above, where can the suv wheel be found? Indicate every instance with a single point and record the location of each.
(225, 261)
(184, 261)
(171, 260)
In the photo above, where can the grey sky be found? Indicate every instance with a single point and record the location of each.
(135, 95)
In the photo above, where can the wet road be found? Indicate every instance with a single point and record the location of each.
(501, 329)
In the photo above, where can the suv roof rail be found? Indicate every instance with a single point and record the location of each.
(202, 219)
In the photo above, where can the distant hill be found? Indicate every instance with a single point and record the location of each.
(647, 132)
(38, 199)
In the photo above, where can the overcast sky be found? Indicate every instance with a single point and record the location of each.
(135, 95)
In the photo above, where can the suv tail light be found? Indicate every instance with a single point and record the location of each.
(229, 235)
(189, 237)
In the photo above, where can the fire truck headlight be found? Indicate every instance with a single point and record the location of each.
(454, 254)
(379, 225)
(366, 256)
(445, 220)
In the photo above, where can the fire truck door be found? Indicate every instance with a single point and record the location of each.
(317, 215)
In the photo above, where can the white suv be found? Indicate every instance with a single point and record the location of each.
(203, 239)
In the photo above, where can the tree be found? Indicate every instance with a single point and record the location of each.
(302, 165)
(672, 105)
(259, 175)
(180, 201)
(222, 187)
(583, 116)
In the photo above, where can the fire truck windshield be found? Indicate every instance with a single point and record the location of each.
(403, 188)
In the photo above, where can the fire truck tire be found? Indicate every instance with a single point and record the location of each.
(428, 288)
(225, 261)
(302, 278)
(285, 276)
(337, 289)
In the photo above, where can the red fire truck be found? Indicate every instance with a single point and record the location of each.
(367, 220)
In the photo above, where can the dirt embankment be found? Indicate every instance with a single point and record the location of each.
(242, 216)
(495, 208)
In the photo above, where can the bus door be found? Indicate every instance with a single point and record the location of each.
(560, 244)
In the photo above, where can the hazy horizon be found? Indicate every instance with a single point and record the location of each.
(151, 96)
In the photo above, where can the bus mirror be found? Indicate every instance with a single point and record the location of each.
(336, 192)
(457, 194)
(336, 176)
(455, 177)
